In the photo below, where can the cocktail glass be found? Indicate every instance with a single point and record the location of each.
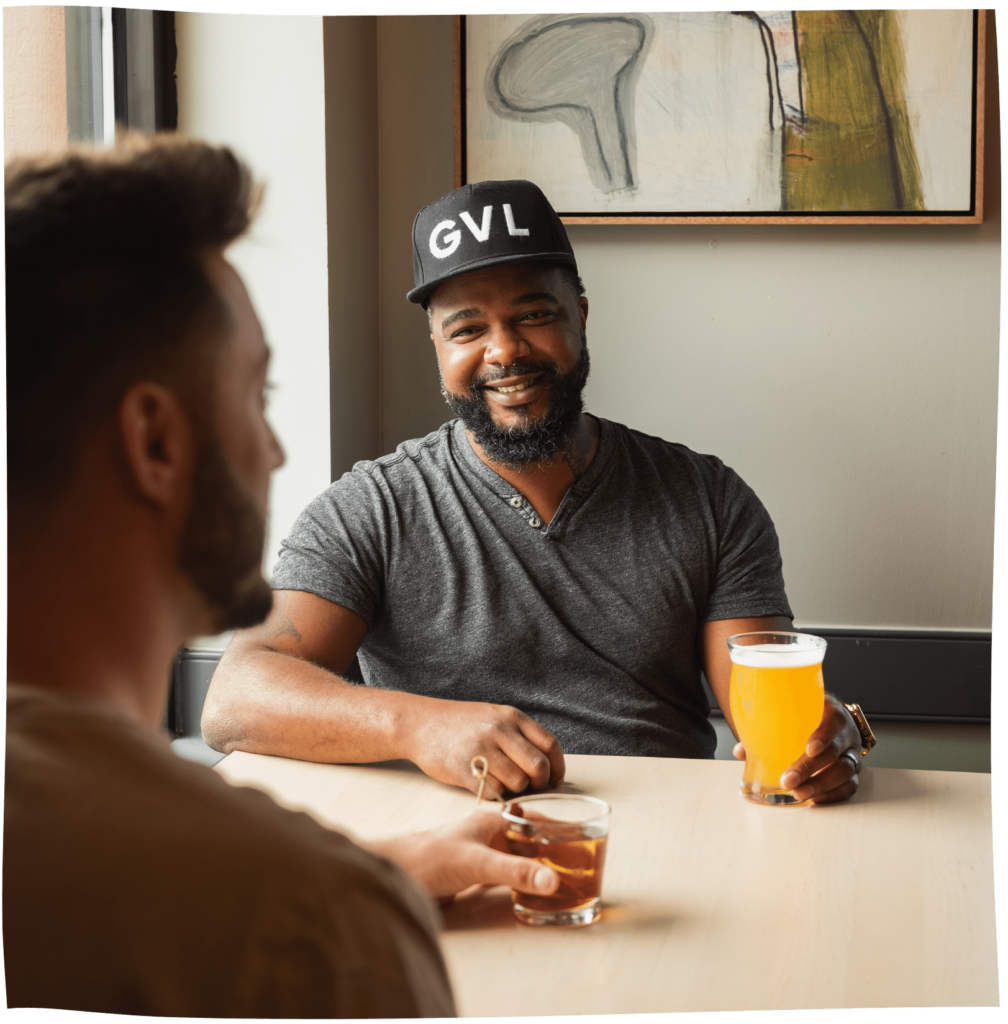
(776, 697)
(569, 834)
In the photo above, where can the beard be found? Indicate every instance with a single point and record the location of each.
(222, 543)
(532, 442)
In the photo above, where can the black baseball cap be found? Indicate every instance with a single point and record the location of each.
(480, 225)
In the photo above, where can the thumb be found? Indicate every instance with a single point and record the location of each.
(738, 751)
(521, 873)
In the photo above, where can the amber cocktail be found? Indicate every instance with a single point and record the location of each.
(568, 834)
(776, 697)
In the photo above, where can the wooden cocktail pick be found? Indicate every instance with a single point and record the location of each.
(480, 768)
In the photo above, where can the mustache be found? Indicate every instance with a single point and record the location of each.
(495, 373)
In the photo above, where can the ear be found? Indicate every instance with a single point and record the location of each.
(583, 307)
(158, 443)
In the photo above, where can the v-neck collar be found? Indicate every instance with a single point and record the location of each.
(509, 494)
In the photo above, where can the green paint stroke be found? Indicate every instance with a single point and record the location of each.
(855, 150)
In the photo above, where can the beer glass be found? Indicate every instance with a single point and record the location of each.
(776, 697)
(569, 834)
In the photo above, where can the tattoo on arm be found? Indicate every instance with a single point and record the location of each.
(281, 627)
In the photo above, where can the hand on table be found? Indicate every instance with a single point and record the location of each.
(465, 853)
(828, 770)
(520, 753)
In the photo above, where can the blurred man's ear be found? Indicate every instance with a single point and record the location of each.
(158, 441)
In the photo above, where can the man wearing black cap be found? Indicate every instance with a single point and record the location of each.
(526, 580)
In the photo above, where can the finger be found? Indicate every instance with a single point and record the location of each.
(490, 867)
(545, 741)
(494, 787)
(529, 758)
(506, 776)
(484, 825)
(828, 783)
(843, 735)
(835, 721)
(805, 767)
(738, 751)
(469, 779)
(844, 792)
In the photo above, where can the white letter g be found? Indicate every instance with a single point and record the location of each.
(451, 240)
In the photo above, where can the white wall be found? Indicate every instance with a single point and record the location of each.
(256, 83)
(850, 376)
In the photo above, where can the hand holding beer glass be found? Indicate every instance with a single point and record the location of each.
(776, 696)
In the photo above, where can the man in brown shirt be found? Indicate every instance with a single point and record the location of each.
(138, 473)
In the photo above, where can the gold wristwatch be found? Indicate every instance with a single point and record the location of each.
(867, 736)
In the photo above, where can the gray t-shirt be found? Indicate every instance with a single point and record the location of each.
(589, 625)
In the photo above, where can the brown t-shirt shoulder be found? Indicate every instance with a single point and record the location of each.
(136, 882)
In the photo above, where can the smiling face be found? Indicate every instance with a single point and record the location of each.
(511, 349)
(490, 325)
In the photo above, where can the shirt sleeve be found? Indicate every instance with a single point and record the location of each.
(338, 546)
(748, 574)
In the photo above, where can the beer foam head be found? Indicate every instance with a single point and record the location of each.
(795, 655)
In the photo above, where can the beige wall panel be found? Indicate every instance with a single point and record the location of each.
(416, 147)
(34, 80)
(350, 47)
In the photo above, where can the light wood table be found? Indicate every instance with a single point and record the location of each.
(711, 903)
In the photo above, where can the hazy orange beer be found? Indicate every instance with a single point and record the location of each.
(776, 697)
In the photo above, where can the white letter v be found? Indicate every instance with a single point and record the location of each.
(483, 233)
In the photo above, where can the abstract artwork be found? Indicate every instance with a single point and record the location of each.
(748, 115)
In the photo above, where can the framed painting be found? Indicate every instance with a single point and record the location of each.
(741, 117)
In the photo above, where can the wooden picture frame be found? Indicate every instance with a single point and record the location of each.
(574, 103)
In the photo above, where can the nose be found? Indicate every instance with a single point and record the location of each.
(277, 456)
(505, 345)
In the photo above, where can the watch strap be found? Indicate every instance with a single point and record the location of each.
(867, 736)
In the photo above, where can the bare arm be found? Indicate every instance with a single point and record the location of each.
(278, 690)
(827, 771)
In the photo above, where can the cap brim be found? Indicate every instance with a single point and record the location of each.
(425, 290)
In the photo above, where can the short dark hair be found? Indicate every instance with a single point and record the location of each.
(573, 278)
(106, 286)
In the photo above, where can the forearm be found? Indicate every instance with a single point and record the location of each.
(267, 702)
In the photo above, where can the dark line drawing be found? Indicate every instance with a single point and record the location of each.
(776, 66)
(772, 69)
(766, 54)
(894, 171)
(582, 71)
(797, 53)
(844, 143)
